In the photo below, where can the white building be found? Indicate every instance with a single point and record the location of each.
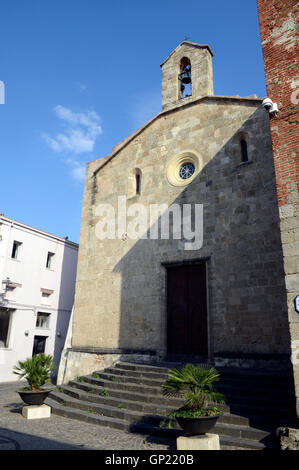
(37, 285)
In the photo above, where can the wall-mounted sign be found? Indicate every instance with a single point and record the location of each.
(296, 302)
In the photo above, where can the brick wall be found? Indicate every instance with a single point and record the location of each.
(279, 36)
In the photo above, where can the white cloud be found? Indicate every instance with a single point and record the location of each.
(78, 173)
(79, 134)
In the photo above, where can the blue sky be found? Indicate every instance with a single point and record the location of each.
(81, 75)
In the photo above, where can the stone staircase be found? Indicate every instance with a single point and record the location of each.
(128, 397)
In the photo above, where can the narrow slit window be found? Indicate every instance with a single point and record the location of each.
(244, 152)
(134, 183)
(138, 183)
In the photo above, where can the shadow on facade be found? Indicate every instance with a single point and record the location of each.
(247, 305)
(241, 240)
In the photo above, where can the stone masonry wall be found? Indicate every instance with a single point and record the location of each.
(201, 73)
(279, 34)
(121, 286)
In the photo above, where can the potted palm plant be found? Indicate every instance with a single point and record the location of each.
(195, 384)
(37, 371)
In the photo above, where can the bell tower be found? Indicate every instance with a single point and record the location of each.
(186, 74)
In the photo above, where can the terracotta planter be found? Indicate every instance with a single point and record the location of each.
(33, 398)
(197, 426)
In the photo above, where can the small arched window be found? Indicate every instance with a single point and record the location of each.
(134, 183)
(244, 151)
(185, 81)
(138, 183)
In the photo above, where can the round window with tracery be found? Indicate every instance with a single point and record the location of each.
(183, 168)
(186, 170)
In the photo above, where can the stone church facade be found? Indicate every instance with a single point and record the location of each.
(147, 298)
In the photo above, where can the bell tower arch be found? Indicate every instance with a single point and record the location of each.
(185, 78)
(186, 74)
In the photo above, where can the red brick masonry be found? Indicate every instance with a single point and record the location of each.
(279, 34)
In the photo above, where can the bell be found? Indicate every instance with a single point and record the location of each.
(185, 77)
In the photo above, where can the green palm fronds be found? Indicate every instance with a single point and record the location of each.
(195, 384)
(36, 370)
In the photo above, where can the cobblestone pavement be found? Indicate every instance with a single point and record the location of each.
(59, 433)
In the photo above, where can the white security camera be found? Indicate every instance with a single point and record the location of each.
(270, 106)
(267, 103)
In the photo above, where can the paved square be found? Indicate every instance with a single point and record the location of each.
(59, 433)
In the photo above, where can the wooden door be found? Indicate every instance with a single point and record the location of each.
(187, 329)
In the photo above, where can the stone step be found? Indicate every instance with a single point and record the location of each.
(129, 397)
(228, 389)
(242, 407)
(125, 378)
(260, 374)
(226, 441)
(126, 395)
(162, 410)
(160, 376)
(138, 387)
(233, 396)
(75, 413)
(235, 376)
(159, 379)
(256, 384)
(156, 368)
(242, 416)
(240, 432)
(130, 416)
(139, 418)
(242, 444)
(139, 406)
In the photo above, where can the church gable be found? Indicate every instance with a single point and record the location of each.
(201, 131)
(200, 150)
